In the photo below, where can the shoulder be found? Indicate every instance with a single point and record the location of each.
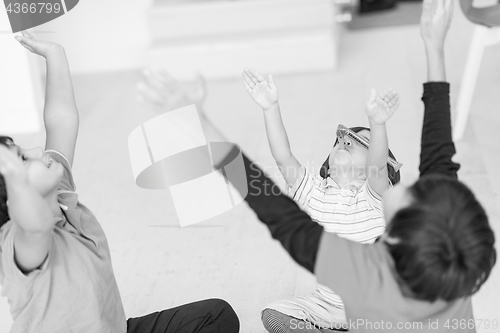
(372, 197)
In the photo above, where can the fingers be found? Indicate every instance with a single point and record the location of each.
(373, 97)
(427, 4)
(396, 106)
(248, 80)
(428, 9)
(251, 75)
(252, 78)
(439, 6)
(148, 95)
(390, 96)
(156, 79)
(270, 79)
(27, 34)
(247, 87)
(257, 75)
(449, 5)
(25, 42)
(159, 78)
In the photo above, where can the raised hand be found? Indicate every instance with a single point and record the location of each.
(263, 92)
(160, 92)
(380, 108)
(40, 47)
(435, 21)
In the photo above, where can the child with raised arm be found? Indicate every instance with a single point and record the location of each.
(345, 198)
(438, 248)
(55, 264)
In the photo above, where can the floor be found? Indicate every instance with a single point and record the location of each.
(160, 265)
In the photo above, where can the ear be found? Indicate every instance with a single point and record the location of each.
(390, 240)
(323, 172)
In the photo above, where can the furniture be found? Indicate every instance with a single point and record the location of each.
(218, 38)
(485, 34)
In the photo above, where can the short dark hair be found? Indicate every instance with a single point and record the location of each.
(445, 248)
(4, 213)
(394, 176)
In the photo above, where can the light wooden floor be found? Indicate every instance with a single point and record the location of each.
(159, 265)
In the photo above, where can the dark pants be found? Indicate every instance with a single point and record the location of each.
(212, 315)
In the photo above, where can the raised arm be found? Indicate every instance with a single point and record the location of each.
(265, 94)
(488, 16)
(437, 147)
(28, 211)
(287, 223)
(379, 109)
(60, 112)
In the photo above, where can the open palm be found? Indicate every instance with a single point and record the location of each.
(380, 108)
(40, 47)
(161, 92)
(263, 92)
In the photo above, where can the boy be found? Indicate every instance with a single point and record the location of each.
(55, 264)
(438, 248)
(345, 198)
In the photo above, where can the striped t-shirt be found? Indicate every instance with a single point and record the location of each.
(353, 212)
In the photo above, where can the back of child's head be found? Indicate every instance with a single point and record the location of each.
(394, 176)
(445, 246)
(4, 214)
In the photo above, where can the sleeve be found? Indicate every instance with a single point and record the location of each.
(11, 271)
(67, 183)
(373, 198)
(301, 191)
(437, 147)
(288, 224)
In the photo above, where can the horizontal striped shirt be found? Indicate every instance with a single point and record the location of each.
(353, 212)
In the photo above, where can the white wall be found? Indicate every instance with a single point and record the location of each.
(19, 88)
(102, 35)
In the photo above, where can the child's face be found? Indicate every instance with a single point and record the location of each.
(43, 174)
(350, 156)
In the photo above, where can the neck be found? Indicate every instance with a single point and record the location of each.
(51, 200)
(342, 177)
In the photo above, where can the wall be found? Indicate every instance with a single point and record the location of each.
(102, 35)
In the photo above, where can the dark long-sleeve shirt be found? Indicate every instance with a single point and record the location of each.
(364, 275)
(291, 226)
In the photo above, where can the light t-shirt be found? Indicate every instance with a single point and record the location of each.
(368, 286)
(354, 212)
(74, 290)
